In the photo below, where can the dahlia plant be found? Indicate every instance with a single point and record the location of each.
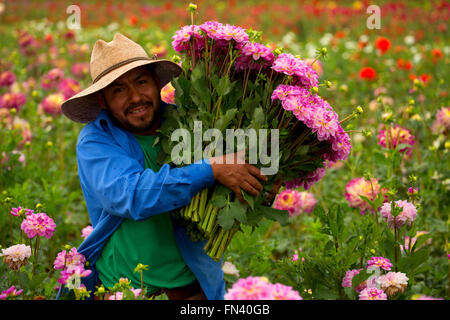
(231, 80)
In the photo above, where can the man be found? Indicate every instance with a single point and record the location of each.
(127, 194)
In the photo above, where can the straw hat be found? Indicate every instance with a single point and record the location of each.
(110, 60)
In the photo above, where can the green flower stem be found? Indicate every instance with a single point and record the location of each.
(212, 220)
(195, 216)
(217, 242)
(203, 200)
(205, 221)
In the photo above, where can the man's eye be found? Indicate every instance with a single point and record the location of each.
(118, 89)
(142, 81)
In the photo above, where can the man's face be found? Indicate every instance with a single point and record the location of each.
(134, 99)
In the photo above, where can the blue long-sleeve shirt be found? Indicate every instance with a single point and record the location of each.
(116, 186)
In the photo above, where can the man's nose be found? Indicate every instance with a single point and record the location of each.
(135, 96)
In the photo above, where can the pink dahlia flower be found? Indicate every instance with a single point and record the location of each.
(347, 280)
(302, 73)
(69, 87)
(12, 100)
(52, 79)
(288, 200)
(10, 293)
(52, 103)
(182, 39)
(372, 294)
(397, 136)
(282, 292)
(168, 94)
(379, 262)
(442, 122)
(80, 70)
(86, 231)
(67, 259)
(72, 275)
(307, 202)
(119, 295)
(38, 224)
(250, 288)
(393, 282)
(7, 78)
(19, 211)
(408, 214)
(361, 187)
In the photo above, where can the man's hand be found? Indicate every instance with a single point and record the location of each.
(237, 175)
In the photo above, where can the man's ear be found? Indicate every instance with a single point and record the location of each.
(101, 99)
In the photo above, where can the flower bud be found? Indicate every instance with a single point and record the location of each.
(192, 7)
(176, 58)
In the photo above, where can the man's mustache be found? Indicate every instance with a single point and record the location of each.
(139, 104)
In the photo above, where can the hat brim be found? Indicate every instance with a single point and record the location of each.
(84, 107)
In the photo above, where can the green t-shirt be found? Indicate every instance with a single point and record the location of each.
(150, 242)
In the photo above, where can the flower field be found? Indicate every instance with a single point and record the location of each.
(370, 222)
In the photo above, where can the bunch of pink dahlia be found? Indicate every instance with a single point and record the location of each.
(361, 187)
(12, 100)
(379, 262)
(393, 282)
(16, 256)
(38, 224)
(67, 259)
(259, 288)
(408, 214)
(442, 122)
(372, 294)
(397, 135)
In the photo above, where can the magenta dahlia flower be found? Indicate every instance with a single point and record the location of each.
(397, 136)
(67, 259)
(372, 294)
(379, 262)
(7, 78)
(288, 200)
(12, 100)
(38, 224)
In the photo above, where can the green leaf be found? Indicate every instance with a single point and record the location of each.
(219, 201)
(282, 216)
(250, 199)
(229, 213)
(225, 119)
